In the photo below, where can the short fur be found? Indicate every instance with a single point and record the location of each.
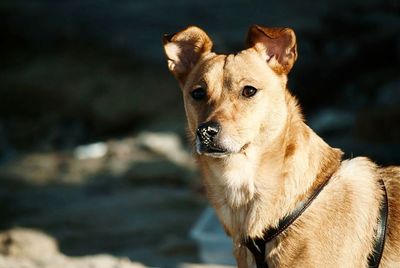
(275, 160)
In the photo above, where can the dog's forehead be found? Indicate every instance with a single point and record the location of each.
(225, 70)
(245, 64)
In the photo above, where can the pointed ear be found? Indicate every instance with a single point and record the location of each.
(184, 49)
(276, 45)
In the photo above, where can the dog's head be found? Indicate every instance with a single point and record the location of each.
(237, 100)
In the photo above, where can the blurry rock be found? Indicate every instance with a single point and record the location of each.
(51, 168)
(94, 150)
(35, 168)
(27, 248)
(9, 262)
(117, 158)
(168, 145)
(27, 243)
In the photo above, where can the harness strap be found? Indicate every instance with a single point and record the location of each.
(257, 245)
(375, 257)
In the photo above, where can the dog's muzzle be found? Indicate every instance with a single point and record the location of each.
(207, 134)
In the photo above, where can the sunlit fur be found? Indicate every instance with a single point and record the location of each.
(275, 161)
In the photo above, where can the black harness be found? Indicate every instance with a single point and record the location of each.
(257, 246)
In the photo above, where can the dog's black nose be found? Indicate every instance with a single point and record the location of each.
(207, 131)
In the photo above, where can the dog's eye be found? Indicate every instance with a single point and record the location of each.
(249, 91)
(198, 93)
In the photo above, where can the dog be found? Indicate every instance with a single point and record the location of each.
(259, 160)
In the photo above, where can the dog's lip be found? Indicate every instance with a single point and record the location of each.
(215, 151)
(210, 149)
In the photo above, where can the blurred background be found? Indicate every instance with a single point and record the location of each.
(93, 155)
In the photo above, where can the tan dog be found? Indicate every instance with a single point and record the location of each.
(259, 159)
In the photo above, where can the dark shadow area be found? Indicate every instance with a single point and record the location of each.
(92, 124)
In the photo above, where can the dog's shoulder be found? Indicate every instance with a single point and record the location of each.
(355, 186)
(365, 174)
(359, 170)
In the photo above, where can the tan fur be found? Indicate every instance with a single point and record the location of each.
(278, 160)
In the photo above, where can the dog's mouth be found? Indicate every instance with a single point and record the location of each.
(213, 150)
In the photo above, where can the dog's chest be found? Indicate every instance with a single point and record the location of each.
(231, 189)
(236, 183)
(233, 220)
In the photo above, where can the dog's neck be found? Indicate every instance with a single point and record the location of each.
(247, 189)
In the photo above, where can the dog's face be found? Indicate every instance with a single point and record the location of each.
(237, 100)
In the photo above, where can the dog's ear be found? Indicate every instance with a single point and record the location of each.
(184, 49)
(276, 45)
